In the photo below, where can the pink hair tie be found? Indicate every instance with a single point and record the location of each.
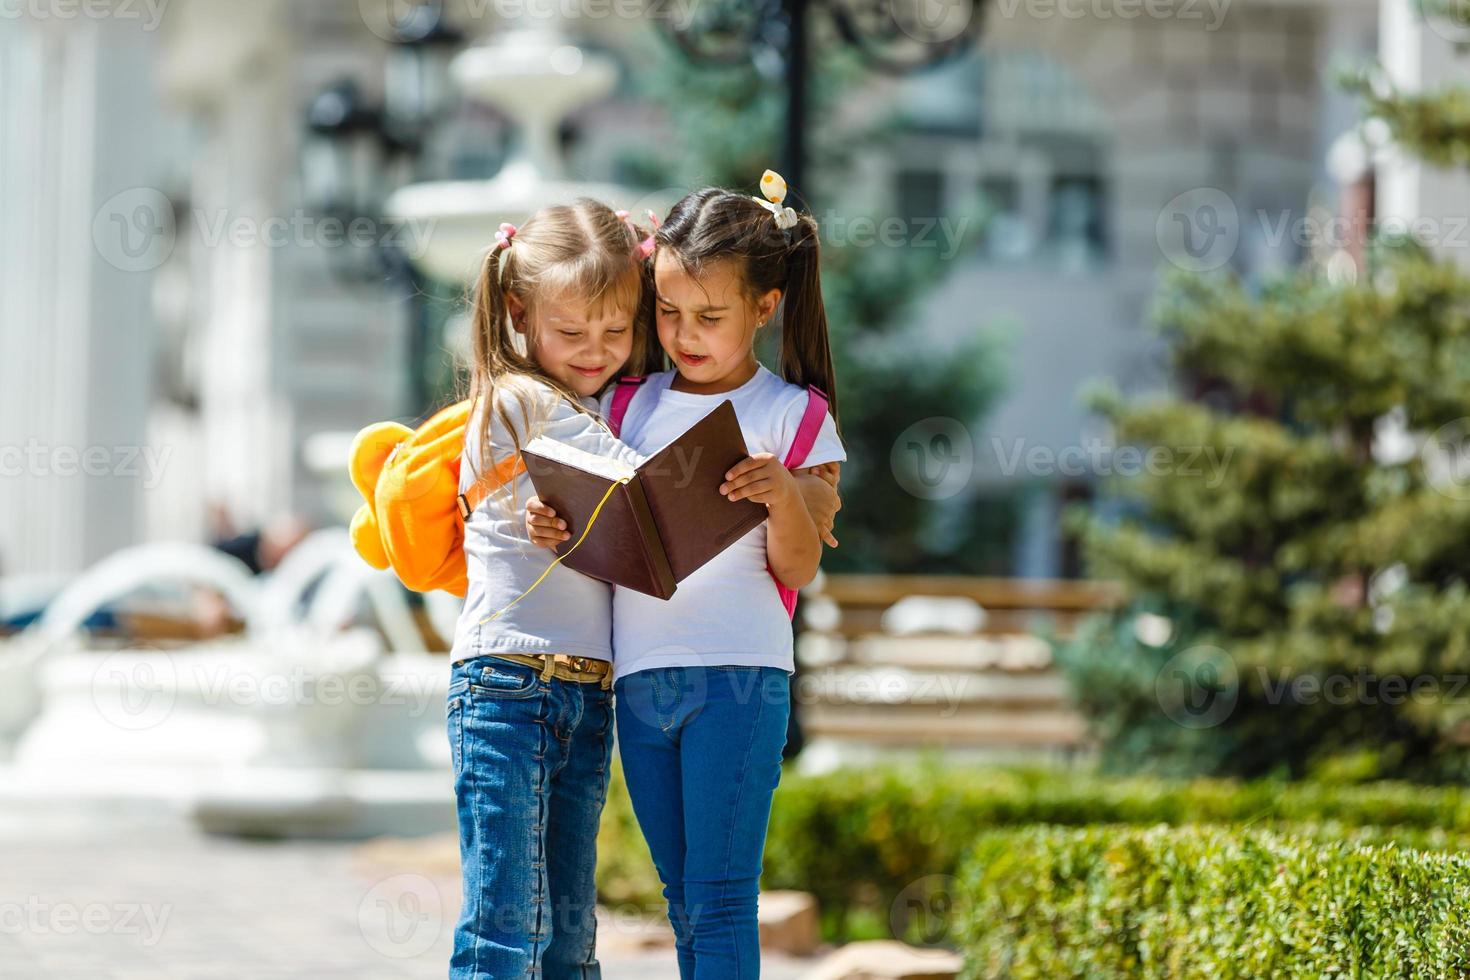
(505, 234)
(645, 247)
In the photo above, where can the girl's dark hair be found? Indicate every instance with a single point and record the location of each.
(715, 224)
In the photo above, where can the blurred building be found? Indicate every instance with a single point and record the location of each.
(176, 334)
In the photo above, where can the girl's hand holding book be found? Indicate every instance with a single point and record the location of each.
(761, 478)
(545, 528)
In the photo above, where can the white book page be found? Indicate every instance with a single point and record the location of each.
(603, 466)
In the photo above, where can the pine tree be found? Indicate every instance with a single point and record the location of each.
(1301, 608)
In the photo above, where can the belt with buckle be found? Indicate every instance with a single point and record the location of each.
(563, 666)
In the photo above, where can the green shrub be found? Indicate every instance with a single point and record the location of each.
(625, 873)
(862, 840)
(1107, 902)
(875, 845)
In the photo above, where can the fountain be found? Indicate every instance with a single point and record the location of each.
(305, 723)
(197, 730)
(535, 76)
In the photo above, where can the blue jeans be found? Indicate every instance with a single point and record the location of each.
(701, 750)
(530, 776)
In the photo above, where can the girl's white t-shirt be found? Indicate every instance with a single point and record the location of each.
(568, 612)
(728, 612)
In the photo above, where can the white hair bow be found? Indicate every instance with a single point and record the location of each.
(773, 185)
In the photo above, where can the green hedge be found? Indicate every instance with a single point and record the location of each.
(1106, 902)
(625, 874)
(860, 840)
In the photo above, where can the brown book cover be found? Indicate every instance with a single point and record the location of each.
(667, 521)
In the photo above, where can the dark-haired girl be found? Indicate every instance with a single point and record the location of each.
(701, 679)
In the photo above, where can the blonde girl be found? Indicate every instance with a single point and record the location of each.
(560, 308)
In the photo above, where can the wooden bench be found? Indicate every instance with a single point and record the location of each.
(1002, 689)
(1011, 605)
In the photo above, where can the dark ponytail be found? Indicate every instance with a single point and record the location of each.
(715, 224)
(806, 349)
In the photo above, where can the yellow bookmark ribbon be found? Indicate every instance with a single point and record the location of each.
(590, 521)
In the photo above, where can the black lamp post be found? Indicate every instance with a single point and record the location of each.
(357, 151)
(417, 86)
(343, 153)
(892, 36)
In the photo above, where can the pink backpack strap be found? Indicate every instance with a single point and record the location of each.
(622, 398)
(810, 427)
(806, 437)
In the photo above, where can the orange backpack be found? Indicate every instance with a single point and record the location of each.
(413, 515)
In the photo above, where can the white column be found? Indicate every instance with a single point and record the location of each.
(75, 322)
(1419, 57)
(228, 63)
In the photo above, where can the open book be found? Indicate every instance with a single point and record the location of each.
(666, 521)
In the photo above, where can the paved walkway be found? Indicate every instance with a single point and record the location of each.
(125, 901)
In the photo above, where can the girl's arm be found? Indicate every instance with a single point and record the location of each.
(556, 419)
(550, 415)
(818, 485)
(793, 546)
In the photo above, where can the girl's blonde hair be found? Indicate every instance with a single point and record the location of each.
(584, 250)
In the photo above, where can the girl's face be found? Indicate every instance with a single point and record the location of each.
(580, 348)
(707, 325)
